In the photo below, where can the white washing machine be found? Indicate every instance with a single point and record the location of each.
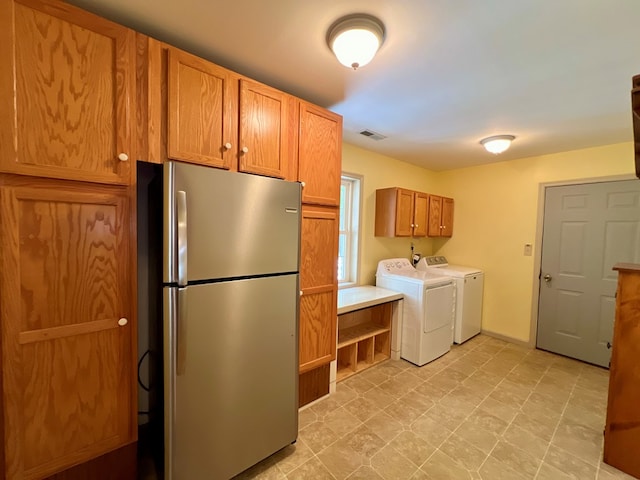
(469, 289)
(429, 303)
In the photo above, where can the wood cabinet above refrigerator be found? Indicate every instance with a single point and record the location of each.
(195, 111)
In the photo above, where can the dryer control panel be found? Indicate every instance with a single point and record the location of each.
(436, 261)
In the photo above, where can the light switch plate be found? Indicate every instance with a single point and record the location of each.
(527, 249)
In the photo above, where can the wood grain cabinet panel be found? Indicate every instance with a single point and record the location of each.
(317, 328)
(66, 91)
(447, 217)
(320, 155)
(67, 323)
(420, 214)
(400, 213)
(440, 216)
(202, 111)
(195, 111)
(265, 127)
(435, 215)
(319, 285)
(622, 428)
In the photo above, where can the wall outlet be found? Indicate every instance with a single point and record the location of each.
(527, 249)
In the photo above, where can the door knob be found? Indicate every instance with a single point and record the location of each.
(547, 278)
(123, 157)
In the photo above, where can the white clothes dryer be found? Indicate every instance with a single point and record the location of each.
(429, 302)
(469, 291)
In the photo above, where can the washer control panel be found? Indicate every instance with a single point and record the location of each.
(396, 265)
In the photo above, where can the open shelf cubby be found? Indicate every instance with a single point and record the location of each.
(364, 339)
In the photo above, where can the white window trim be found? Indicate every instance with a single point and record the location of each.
(354, 239)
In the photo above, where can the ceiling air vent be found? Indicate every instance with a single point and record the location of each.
(372, 135)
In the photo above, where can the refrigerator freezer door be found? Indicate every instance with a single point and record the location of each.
(238, 225)
(236, 401)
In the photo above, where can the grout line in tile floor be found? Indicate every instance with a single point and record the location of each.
(482, 358)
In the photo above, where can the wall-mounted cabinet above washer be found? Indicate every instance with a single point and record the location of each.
(407, 213)
(401, 213)
(440, 216)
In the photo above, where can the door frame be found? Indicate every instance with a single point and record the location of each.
(537, 256)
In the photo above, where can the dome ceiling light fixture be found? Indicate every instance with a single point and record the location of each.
(355, 39)
(497, 144)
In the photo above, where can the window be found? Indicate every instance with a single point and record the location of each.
(349, 229)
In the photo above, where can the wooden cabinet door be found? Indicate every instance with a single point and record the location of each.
(447, 217)
(622, 428)
(66, 92)
(404, 213)
(67, 323)
(420, 214)
(319, 285)
(265, 128)
(202, 111)
(320, 155)
(435, 212)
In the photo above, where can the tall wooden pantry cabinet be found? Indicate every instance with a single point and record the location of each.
(319, 170)
(67, 308)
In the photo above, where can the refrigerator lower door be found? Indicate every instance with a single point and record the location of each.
(234, 400)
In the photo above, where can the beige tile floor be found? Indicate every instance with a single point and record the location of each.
(486, 410)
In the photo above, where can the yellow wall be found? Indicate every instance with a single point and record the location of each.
(380, 171)
(496, 213)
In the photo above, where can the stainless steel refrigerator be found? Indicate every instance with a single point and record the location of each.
(230, 283)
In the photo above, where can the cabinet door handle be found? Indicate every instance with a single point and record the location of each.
(122, 322)
(416, 225)
(303, 184)
(245, 149)
(123, 157)
(227, 146)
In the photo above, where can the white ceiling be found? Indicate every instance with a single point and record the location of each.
(554, 73)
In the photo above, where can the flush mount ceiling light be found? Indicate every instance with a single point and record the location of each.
(497, 144)
(355, 39)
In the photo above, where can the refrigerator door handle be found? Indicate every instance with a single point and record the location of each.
(170, 301)
(181, 333)
(181, 210)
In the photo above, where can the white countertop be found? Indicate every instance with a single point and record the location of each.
(355, 298)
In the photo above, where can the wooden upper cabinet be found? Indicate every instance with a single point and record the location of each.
(420, 213)
(195, 111)
(440, 216)
(67, 323)
(400, 213)
(404, 213)
(265, 145)
(319, 155)
(447, 217)
(202, 111)
(66, 91)
(435, 214)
